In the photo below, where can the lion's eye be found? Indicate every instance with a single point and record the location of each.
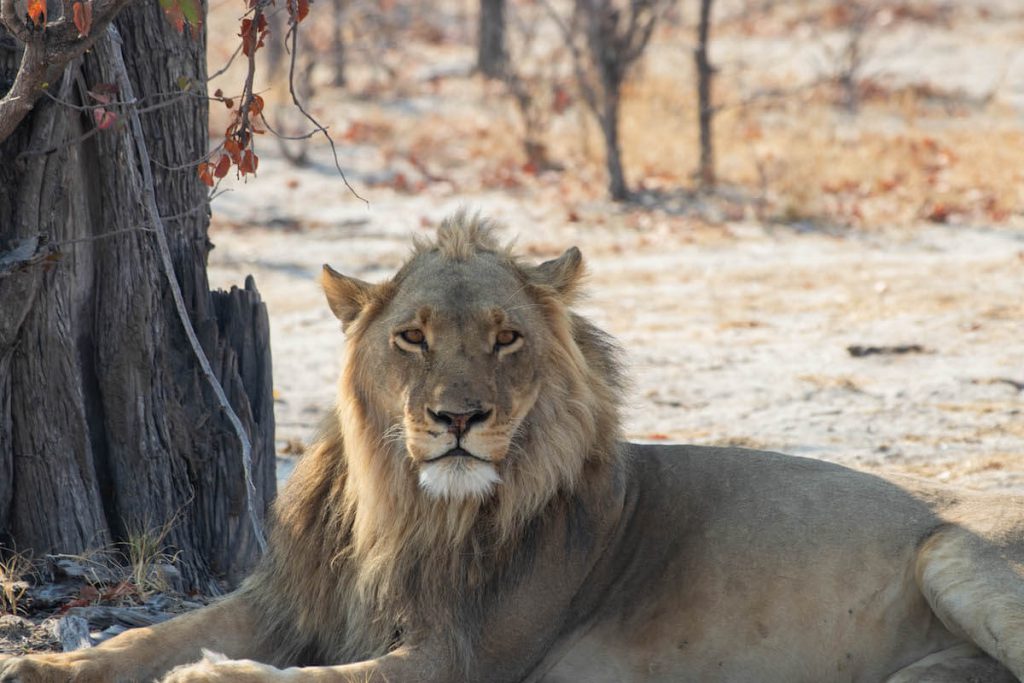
(506, 338)
(414, 337)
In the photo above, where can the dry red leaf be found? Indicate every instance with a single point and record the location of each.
(233, 148)
(255, 106)
(37, 11)
(248, 163)
(298, 9)
(222, 166)
(82, 14)
(104, 118)
(206, 173)
(252, 36)
(247, 36)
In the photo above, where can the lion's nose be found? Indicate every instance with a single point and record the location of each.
(459, 423)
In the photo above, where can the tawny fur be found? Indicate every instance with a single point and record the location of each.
(377, 560)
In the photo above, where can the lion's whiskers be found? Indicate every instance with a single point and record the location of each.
(523, 306)
(393, 435)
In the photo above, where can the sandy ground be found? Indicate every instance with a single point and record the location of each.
(734, 334)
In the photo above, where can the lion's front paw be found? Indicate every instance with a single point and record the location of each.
(47, 669)
(215, 668)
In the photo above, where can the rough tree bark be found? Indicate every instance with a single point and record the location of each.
(706, 110)
(107, 427)
(492, 54)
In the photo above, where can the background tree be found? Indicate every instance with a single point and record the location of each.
(536, 81)
(492, 53)
(338, 77)
(705, 107)
(108, 426)
(606, 38)
(849, 57)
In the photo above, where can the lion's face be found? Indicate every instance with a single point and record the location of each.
(452, 359)
(457, 349)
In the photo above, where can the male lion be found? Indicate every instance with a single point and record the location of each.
(469, 515)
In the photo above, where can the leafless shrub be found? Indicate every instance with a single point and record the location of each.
(606, 38)
(536, 78)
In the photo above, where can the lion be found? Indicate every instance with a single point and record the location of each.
(470, 513)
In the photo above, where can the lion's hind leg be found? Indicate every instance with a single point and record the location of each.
(976, 588)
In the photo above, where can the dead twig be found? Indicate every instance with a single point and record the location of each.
(860, 350)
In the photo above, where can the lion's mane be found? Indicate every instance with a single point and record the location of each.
(359, 557)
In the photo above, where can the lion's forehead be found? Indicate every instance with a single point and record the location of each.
(474, 293)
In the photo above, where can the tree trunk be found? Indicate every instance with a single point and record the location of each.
(491, 53)
(338, 45)
(613, 154)
(706, 111)
(276, 57)
(107, 427)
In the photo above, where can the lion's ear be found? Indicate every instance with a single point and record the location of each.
(347, 296)
(564, 273)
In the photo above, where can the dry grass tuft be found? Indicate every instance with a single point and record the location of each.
(15, 568)
(145, 550)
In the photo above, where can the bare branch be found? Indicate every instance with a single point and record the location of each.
(223, 69)
(14, 23)
(245, 127)
(46, 53)
(569, 36)
(21, 98)
(145, 227)
(281, 136)
(294, 31)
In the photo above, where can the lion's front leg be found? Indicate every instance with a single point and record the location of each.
(49, 669)
(144, 654)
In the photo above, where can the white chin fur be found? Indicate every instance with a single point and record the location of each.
(458, 478)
